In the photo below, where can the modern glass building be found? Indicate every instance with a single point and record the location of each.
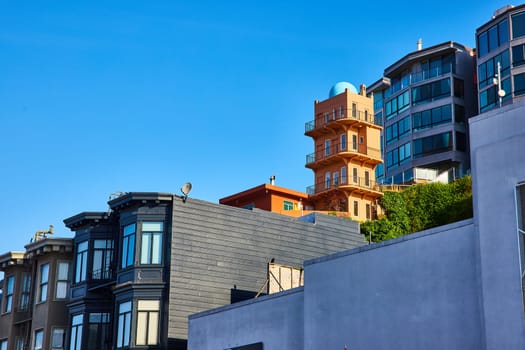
(501, 43)
(423, 102)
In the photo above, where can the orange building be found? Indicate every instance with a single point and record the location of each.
(271, 198)
(346, 152)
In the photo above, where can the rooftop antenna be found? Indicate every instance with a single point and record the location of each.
(185, 189)
(43, 234)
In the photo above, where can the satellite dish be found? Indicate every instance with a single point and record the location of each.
(185, 189)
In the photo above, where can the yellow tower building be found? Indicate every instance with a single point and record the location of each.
(346, 152)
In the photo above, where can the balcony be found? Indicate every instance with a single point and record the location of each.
(337, 152)
(332, 121)
(354, 184)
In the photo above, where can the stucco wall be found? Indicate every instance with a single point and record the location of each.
(416, 292)
(276, 320)
(498, 164)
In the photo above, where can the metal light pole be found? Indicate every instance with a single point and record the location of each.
(497, 81)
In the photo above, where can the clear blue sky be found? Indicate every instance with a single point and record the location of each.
(105, 96)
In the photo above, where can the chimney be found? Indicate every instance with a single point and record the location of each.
(419, 44)
(362, 90)
(272, 180)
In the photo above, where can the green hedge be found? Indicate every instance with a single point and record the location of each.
(421, 207)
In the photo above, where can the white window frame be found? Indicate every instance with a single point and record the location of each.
(62, 281)
(148, 319)
(55, 334)
(327, 180)
(151, 243)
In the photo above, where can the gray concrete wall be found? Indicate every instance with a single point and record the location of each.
(276, 320)
(498, 164)
(416, 292)
(215, 247)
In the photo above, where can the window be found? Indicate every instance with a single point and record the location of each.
(102, 259)
(367, 178)
(343, 175)
(397, 105)
(520, 198)
(343, 142)
(326, 117)
(76, 332)
(124, 324)
(287, 205)
(432, 144)
(342, 111)
(459, 88)
(81, 263)
(327, 180)
(334, 114)
(354, 175)
(151, 250)
(518, 25)
(58, 338)
(336, 178)
(432, 117)
(488, 70)
(354, 142)
(519, 84)
(459, 114)
(368, 216)
(98, 331)
(3, 344)
(354, 110)
(39, 340)
(496, 36)
(398, 130)
(147, 322)
(518, 55)
(24, 291)
(398, 156)
(9, 290)
(327, 147)
(356, 208)
(44, 280)
(431, 91)
(62, 280)
(19, 343)
(461, 141)
(128, 246)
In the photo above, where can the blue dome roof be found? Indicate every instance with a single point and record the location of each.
(340, 87)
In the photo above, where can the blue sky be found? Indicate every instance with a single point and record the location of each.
(105, 96)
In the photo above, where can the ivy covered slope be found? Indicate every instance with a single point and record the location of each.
(421, 207)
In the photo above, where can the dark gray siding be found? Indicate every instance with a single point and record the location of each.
(215, 247)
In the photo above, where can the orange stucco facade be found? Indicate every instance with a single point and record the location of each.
(346, 152)
(271, 198)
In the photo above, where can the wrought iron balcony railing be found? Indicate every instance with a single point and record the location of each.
(342, 149)
(341, 182)
(344, 114)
